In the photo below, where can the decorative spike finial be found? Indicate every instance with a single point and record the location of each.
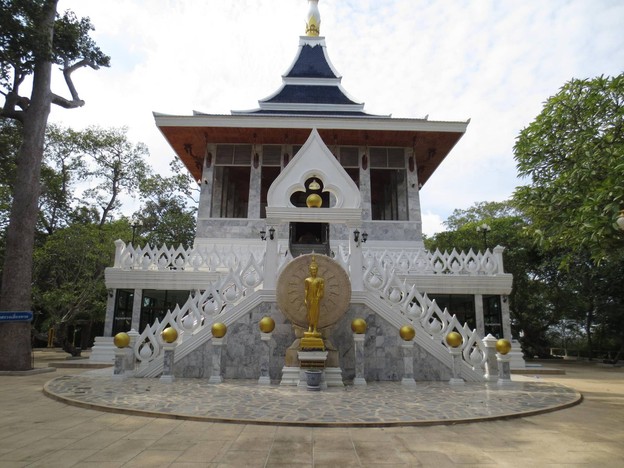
(313, 20)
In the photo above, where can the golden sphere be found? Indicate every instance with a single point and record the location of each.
(407, 332)
(314, 201)
(266, 324)
(219, 330)
(503, 346)
(169, 334)
(121, 340)
(454, 339)
(358, 326)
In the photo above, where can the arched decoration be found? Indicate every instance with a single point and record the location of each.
(314, 160)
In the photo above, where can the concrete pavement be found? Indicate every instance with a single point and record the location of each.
(37, 431)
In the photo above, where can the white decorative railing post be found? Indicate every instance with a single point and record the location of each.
(119, 368)
(456, 365)
(408, 361)
(358, 340)
(498, 254)
(217, 351)
(265, 355)
(491, 367)
(119, 248)
(168, 360)
(130, 359)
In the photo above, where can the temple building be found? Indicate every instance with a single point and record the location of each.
(308, 172)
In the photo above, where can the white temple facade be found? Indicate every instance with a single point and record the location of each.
(257, 168)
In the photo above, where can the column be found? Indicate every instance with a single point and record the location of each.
(505, 318)
(265, 355)
(408, 363)
(119, 367)
(217, 350)
(255, 180)
(110, 312)
(205, 196)
(413, 190)
(270, 261)
(358, 341)
(365, 185)
(136, 309)
(478, 305)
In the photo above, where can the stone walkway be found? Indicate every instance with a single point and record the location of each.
(37, 431)
(377, 404)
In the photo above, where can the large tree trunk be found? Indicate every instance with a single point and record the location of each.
(16, 294)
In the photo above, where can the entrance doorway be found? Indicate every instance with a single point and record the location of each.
(305, 238)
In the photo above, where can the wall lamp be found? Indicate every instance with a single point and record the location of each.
(271, 233)
(356, 237)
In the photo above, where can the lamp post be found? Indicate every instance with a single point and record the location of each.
(484, 228)
(135, 223)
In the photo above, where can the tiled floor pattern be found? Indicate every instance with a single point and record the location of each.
(377, 404)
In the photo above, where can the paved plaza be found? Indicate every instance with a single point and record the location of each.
(39, 431)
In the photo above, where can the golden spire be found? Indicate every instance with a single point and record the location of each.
(313, 20)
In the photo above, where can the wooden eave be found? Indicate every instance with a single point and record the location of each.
(188, 135)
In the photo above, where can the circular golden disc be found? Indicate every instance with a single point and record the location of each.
(407, 332)
(266, 325)
(169, 334)
(454, 339)
(290, 290)
(219, 330)
(503, 346)
(314, 201)
(121, 340)
(358, 326)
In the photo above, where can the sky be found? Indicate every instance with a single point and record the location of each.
(494, 62)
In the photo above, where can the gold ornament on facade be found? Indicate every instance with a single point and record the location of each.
(169, 334)
(407, 332)
(358, 326)
(219, 330)
(121, 340)
(454, 339)
(314, 185)
(503, 346)
(314, 200)
(266, 325)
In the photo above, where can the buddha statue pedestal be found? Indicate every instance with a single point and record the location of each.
(313, 361)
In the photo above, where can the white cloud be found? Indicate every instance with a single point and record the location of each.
(495, 62)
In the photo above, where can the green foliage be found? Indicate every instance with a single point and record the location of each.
(573, 154)
(69, 271)
(22, 41)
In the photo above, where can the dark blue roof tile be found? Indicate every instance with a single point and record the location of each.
(307, 94)
(311, 63)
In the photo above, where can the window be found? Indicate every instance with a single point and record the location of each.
(122, 315)
(350, 161)
(269, 174)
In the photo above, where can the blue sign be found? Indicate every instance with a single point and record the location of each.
(16, 316)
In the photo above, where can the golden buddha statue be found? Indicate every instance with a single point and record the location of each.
(314, 291)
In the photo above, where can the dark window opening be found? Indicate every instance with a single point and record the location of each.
(122, 314)
(492, 316)
(269, 174)
(230, 195)
(388, 194)
(458, 304)
(155, 303)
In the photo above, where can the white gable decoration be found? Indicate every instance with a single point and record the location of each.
(314, 159)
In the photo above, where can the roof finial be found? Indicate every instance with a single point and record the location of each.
(313, 20)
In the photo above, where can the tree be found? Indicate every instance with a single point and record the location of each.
(573, 154)
(118, 166)
(69, 274)
(32, 39)
(167, 216)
